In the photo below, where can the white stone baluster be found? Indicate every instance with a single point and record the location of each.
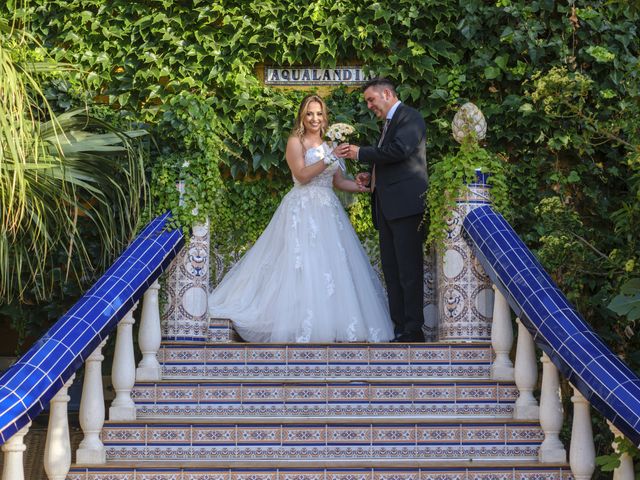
(582, 453)
(149, 336)
(625, 470)
(123, 374)
(551, 450)
(526, 373)
(57, 449)
(501, 338)
(91, 450)
(13, 467)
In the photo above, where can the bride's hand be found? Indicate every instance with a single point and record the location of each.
(341, 150)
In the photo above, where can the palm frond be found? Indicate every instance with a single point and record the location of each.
(58, 172)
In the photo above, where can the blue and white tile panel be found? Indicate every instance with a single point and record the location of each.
(28, 386)
(607, 382)
(502, 439)
(320, 399)
(184, 361)
(547, 472)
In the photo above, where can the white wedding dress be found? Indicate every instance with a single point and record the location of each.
(307, 278)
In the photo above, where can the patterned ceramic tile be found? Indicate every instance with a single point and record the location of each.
(276, 354)
(259, 434)
(302, 371)
(305, 393)
(436, 434)
(232, 355)
(347, 354)
(221, 393)
(300, 354)
(214, 434)
(388, 354)
(304, 434)
(429, 354)
(525, 433)
(262, 393)
(124, 434)
(396, 475)
(349, 434)
(187, 475)
(300, 475)
(394, 434)
(349, 475)
(319, 473)
(175, 434)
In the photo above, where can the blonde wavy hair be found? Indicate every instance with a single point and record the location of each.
(298, 125)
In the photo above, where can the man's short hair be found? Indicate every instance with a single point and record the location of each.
(380, 82)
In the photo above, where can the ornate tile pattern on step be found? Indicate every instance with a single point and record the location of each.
(323, 441)
(335, 360)
(480, 398)
(432, 473)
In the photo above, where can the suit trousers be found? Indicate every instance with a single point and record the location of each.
(401, 247)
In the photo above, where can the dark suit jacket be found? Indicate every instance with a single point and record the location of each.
(401, 165)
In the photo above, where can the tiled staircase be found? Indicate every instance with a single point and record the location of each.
(235, 411)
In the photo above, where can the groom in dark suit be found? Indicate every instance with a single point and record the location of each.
(398, 182)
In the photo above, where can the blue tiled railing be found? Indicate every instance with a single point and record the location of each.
(578, 352)
(28, 385)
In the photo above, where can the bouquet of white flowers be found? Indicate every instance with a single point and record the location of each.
(343, 133)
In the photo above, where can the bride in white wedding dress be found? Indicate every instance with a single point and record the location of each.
(307, 278)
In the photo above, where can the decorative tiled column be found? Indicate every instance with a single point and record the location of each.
(185, 315)
(221, 329)
(465, 294)
(430, 305)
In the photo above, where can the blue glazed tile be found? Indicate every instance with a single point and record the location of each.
(100, 311)
(81, 329)
(597, 385)
(549, 334)
(560, 330)
(594, 345)
(83, 335)
(624, 405)
(565, 320)
(11, 399)
(47, 354)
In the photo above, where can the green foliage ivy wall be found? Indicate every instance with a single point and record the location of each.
(558, 82)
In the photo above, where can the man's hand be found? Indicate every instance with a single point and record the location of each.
(352, 152)
(341, 150)
(363, 179)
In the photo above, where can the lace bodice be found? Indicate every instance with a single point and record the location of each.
(316, 154)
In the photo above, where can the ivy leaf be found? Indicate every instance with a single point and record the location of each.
(631, 286)
(625, 304)
(573, 177)
(257, 158)
(491, 72)
(502, 61)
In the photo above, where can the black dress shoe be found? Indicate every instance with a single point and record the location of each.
(413, 337)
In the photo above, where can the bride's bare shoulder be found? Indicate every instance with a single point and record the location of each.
(295, 142)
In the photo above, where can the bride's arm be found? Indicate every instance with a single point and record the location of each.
(347, 185)
(295, 160)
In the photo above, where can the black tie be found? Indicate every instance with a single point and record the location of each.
(384, 131)
(373, 170)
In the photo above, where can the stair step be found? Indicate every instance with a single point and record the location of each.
(414, 470)
(488, 439)
(349, 360)
(341, 399)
